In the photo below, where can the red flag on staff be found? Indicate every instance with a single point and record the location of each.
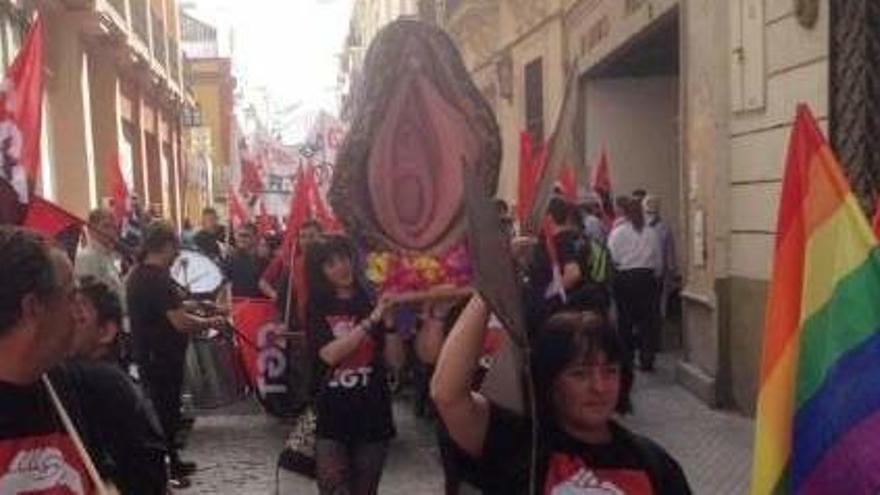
(299, 210)
(250, 317)
(118, 188)
(21, 97)
(875, 223)
(237, 213)
(319, 207)
(600, 177)
(264, 225)
(600, 182)
(54, 222)
(251, 183)
(526, 186)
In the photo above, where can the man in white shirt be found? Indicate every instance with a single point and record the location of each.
(635, 249)
(98, 259)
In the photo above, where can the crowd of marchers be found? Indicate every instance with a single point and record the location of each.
(92, 353)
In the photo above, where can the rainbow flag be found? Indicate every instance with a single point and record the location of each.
(818, 419)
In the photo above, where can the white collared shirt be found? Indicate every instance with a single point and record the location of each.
(632, 249)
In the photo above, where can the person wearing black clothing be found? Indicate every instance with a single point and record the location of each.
(132, 451)
(135, 457)
(36, 332)
(244, 266)
(160, 326)
(638, 259)
(354, 344)
(579, 366)
(554, 284)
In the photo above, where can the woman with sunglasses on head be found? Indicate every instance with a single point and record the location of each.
(579, 370)
(354, 344)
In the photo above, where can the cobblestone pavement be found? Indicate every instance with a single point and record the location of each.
(714, 447)
(237, 448)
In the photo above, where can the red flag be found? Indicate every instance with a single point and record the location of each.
(250, 316)
(526, 186)
(299, 211)
(264, 225)
(21, 97)
(54, 222)
(237, 213)
(118, 188)
(251, 183)
(322, 213)
(533, 161)
(600, 177)
(876, 221)
(600, 183)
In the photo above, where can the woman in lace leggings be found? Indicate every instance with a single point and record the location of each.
(354, 343)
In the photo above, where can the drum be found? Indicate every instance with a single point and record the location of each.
(197, 273)
(214, 374)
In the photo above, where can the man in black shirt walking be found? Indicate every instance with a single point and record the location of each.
(160, 326)
(245, 266)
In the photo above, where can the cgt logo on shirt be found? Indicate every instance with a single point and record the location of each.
(40, 466)
(567, 475)
(363, 356)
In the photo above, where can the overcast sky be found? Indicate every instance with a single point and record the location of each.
(286, 50)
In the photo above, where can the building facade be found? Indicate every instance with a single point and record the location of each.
(113, 92)
(213, 87)
(367, 19)
(692, 100)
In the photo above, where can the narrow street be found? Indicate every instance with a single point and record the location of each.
(237, 448)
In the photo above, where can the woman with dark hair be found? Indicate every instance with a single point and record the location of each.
(579, 369)
(354, 343)
(635, 250)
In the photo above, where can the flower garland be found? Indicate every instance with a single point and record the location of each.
(398, 273)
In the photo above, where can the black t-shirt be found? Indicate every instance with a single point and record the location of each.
(353, 401)
(151, 293)
(539, 276)
(125, 440)
(33, 438)
(567, 242)
(628, 464)
(244, 270)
